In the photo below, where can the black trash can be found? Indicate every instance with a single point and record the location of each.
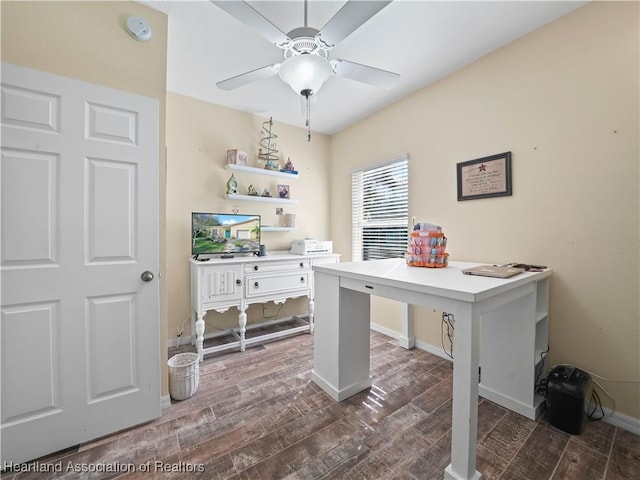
(567, 398)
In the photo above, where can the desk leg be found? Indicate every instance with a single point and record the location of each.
(341, 338)
(464, 429)
(407, 340)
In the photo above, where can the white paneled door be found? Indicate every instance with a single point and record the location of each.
(80, 329)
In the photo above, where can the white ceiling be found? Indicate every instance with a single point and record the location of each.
(423, 41)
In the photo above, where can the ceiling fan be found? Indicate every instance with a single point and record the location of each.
(306, 64)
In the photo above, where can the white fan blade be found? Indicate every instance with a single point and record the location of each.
(349, 18)
(252, 76)
(365, 74)
(248, 15)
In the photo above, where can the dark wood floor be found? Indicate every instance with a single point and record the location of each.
(257, 416)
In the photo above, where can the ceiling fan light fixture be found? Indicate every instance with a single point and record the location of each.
(305, 72)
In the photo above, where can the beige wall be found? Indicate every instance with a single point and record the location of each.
(88, 41)
(564, 100)
(198, 137)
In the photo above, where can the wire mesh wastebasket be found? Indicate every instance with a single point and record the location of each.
(184, 375)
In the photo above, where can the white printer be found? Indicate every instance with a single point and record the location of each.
(309, 246)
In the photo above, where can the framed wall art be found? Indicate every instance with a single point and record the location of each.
(283, 191)
(485, 177)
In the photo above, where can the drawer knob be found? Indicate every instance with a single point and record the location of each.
(301, 279)
(301, 264)
(238, 282)
(256, 284)
(255, 267)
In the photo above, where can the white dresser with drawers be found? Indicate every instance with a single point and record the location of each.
(222, 283)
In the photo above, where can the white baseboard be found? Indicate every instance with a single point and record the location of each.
(420, 345)
(624, 422)
(437, 351)
(165, 402)
(616, 419)
(387, 332)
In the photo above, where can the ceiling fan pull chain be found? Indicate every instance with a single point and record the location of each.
(306, 93)
(308, 120)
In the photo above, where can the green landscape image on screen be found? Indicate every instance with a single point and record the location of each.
(216, 233)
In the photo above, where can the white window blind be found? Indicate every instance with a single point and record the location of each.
(380, 210)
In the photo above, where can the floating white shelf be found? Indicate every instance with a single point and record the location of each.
(260, 171)
(268, 228)
(256, 198)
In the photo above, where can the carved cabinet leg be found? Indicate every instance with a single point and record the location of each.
(311, 308)
(200, 335)
(242, 322)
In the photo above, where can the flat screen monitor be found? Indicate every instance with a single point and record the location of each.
(225, 234)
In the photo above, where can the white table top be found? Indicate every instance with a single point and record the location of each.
(273, 256)
(447, 282)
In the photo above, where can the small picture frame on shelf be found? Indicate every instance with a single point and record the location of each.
(283, 191)
(237, 157)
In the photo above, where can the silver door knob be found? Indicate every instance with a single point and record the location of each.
(146, 276)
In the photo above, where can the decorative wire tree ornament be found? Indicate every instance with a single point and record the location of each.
(268, 151)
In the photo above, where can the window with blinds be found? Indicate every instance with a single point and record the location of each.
(380, 209)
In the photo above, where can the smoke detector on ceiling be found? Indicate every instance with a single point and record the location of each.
(138, 28)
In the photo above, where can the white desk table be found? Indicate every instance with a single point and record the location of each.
(342, 323)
